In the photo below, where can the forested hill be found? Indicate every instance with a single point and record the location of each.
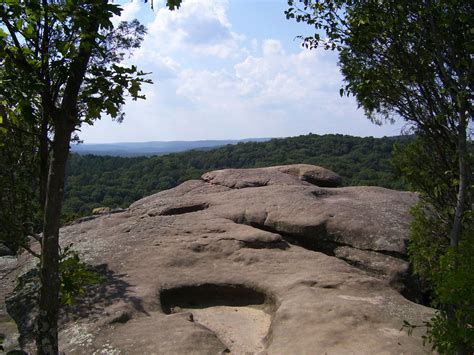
(154, 148)
(95, 181)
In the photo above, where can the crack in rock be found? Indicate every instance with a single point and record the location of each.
(402, 279)
(172, 211)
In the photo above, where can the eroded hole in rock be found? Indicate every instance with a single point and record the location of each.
(171, 211)
(240, 316)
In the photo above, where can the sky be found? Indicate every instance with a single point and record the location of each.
(231, 69)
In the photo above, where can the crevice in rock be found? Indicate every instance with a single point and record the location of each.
(241, 185)
(260, 244)
(411, 288)
(251, 244)
(281, 244)
(416, 290)
(172, 211)
(320, 244)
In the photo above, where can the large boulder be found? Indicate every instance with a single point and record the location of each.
(275, 175)
(249, 261)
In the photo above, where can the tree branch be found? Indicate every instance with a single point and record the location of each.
(31, 251)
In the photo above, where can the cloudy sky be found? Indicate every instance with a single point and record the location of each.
(230, 69)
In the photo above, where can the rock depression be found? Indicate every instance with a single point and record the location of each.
(273, 260)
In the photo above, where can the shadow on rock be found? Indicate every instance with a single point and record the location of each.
(112, 289)
(22, 303)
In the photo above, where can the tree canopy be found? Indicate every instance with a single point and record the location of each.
(98, 181)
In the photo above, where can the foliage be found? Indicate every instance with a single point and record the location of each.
(94, 181)
(435, 178)
(452, 279)
(447, 269)
(30, 76)
(428, 241)
(454, 287)
(19, 213)
(75, 275)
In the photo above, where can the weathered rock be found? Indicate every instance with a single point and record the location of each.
(22, 305)
(8, 329)
(283, 267)
(275, 175)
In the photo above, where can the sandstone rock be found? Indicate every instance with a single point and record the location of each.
(275, 175)
(8, 329)
(249, 261)
(21, 304)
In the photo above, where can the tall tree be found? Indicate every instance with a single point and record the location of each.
(413, 60)
(60, 68)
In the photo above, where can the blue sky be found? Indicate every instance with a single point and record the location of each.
(229, 69)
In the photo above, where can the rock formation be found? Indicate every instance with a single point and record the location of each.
(273, 260)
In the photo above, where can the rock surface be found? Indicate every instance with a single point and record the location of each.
(249, 261)
(8, 328)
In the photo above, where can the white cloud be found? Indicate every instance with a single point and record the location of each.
(272, 47)
(273, 79)
(287, 91)
(208, 86)
(199, 26)
(130, 10)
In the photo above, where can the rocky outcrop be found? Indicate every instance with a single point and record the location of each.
(264, 260)
(275, 175)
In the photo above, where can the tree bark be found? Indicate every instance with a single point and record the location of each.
(464, 183)
(461, 205)
(47, 322)
(43, 162)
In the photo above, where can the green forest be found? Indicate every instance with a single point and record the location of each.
(96, 181)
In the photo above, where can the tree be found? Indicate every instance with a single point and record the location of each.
(446, 270)
(19, 214)
(413, 60)
(60, 68)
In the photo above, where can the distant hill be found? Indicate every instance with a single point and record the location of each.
(94, 181)
(154, 148)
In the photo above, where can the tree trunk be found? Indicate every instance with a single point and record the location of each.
(461, 204)
(462, 195)
(43, 162)
(47, 322)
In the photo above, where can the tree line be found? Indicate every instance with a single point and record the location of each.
(99, 181)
